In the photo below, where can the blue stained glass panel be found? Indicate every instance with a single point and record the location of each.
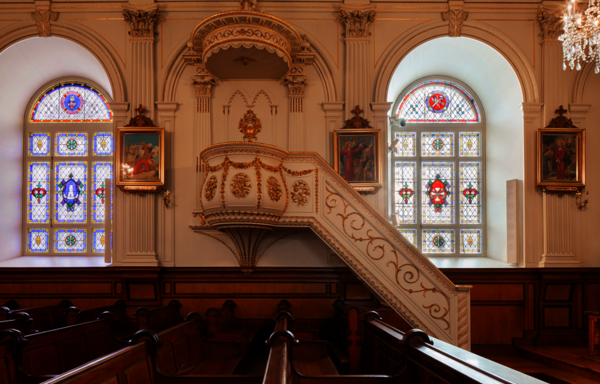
(437, 187)
(39, 144)
(100, 172)
(38, 240)
(70, 204)
(470, 241)
(405, 193)
(99, 240)
(38, 207)
(70, 240)
(438, 241)
(71, 144)
(469, 184)
(470, 143)
(103, 144)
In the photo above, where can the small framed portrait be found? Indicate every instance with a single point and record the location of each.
(561, 159)
(358, 158)
(140, 159)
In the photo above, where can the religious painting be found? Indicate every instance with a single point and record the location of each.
(140, 159)
(561, 159)
(357, 158)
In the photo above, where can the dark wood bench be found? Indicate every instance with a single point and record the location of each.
(158, 319)
(20, 321)
(121, 325)
(46, 318)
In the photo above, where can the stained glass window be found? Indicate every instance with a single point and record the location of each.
(71, 144)
(410, 235)
(103, 144)
(438, 241)
(70, 204)
(437, 180)
(469, 183)
(38, 207)
(39, 144)
(470, 241)
(99, 240)
(470, 143)
(406, 199)
(437, 144)
(37, 240)
(100, 172)
(406, 145)
(70, 240)
(71, 102)
(438, 102)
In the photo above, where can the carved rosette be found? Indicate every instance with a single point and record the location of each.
(42, 18)
(240, 185)
(300, 193)
(356, 23)
(141, 22)
(455, 19)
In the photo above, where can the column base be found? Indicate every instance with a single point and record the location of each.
(143, 260)
(558, 261)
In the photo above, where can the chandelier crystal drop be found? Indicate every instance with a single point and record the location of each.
(581, 37)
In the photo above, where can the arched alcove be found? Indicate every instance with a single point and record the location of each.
(24, 68)
(496, 84)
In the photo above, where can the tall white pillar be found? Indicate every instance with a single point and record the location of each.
(333, 120)
(296, 81)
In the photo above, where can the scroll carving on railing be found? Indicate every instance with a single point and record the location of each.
(406, 274)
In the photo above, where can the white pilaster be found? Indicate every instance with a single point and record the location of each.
(560, 214)
(333, 120)
(380, 121)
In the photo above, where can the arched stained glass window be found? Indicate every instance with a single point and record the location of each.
(71, 102)
(438, 102)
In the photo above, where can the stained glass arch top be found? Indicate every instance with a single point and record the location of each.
(438, 102)
(71, 102)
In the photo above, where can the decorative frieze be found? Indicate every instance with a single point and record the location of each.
(550, 24)
(356, 23)
(455, 19)
(141, 22)
(42, 18)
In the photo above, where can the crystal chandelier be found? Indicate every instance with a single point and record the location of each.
(581, 37)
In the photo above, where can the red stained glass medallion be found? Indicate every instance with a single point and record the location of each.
(438, 193)
(406, 193)
(437, 102)
(470, 193)
(438, 241)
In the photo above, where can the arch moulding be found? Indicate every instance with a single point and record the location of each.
(80, 37)
(475, 30)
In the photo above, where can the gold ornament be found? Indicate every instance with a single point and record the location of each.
(38, 240)
(211, 188)
(405, 144)
(102, 240)
(103, 143)
(273, 188)
(300, 193)
(470, 241)
(240, 185)
(250, 126)
(469, 144)
(40, 144)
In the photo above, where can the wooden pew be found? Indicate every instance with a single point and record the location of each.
(46, 318)
(158, 319)
(121, 326)
(20, 321)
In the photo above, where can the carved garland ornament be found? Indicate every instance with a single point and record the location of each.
(211, 188)
(43, 18)
(410, 273)
(240, 185)
(273, 189)
(455, 19)
(300, 193)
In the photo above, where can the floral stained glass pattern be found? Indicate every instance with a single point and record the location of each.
(438, 102)
(71, 144)
(71, 102)
(38, 240)
(70, 205)
(469, 143)
(437, 192)
(437, 144)
(406, 145)
(438, 241)
(405, 194)
(39, 144)
(470, 241)
(100, 172)
(410, 235)
(469, 183)
(99, 240)
(103, 144)
(70, 240)
(38, 208)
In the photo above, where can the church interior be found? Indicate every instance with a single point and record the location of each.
(299, 191)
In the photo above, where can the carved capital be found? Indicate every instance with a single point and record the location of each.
(141, 22)
(42, 18)
(455, 19)
(550, 24)
(356, 22)
(203, 82)
(295, 81)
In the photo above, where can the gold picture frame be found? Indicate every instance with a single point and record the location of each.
(362, 147)
(140, 165)
(561, 159)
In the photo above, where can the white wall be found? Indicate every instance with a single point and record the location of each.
(24, 68)
(492, 78)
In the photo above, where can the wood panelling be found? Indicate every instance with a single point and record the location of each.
(275, 288)
(558, 292)
(22, 288)
(357, 292)
(593, 297)
(142, 291)
(497, 292)
(496, 324)
(557, 317)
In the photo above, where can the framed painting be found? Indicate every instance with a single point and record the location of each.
(140, 159)
(358, 157)
(561, 159)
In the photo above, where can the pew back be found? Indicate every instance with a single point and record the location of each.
(159, 319)
(46, 318)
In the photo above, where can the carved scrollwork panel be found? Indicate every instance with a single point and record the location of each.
(300, 193)
(211, 188)
(240, 185)
(274, 189)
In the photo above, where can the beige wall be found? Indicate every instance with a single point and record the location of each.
(509, 29)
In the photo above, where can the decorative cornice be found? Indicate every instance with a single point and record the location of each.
(141, 22)
(203, 82)
(550, 24)
(455, 19)
(356, 23)
(296, 81)
(42, 18)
